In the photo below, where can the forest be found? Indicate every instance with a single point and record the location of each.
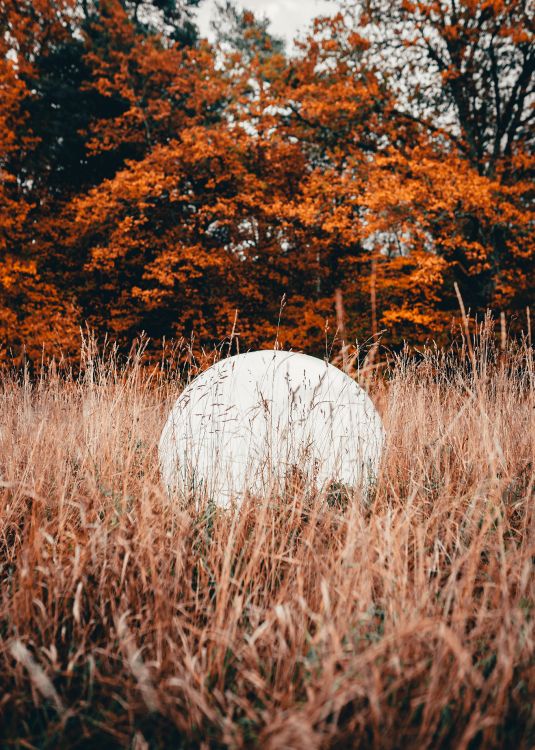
(353, 187)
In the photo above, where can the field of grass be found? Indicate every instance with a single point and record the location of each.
(405, 621)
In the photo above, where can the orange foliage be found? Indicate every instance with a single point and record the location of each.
(159, 185)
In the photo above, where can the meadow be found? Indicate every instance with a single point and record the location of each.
(403, 619)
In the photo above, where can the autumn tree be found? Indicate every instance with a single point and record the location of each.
(458, 187)
(33, 308)
(462, 68)
(58, 56)
(186, 239)
(331, 102)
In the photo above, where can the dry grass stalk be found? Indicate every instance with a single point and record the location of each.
(38, 677)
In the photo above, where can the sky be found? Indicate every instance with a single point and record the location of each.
(288, 17)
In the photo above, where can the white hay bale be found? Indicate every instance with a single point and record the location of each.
(251, 421)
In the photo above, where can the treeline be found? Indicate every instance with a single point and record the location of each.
(154, 182)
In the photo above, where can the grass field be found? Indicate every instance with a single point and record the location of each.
(302, 622)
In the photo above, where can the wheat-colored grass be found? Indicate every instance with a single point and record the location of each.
(306, 622)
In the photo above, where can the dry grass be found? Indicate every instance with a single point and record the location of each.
(127, 621)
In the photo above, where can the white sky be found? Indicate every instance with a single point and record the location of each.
(288, 17)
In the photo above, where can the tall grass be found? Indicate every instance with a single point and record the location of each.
(301, 622)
